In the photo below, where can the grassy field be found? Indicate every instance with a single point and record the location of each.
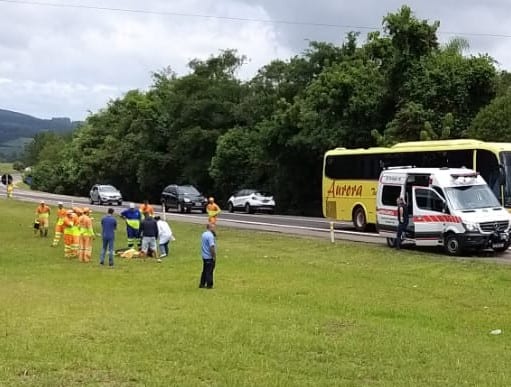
(6, 168)
(284, 312)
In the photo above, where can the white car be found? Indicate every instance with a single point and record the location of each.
(250, 201)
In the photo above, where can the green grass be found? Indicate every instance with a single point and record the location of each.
(284, 312)
(6, 168)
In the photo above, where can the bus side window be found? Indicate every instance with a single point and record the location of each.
(460, 158)
(488, 166)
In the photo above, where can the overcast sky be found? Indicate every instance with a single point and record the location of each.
(57, 61)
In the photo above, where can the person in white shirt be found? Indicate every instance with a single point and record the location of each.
(165, 236)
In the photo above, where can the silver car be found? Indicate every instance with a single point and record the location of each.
(105, 194)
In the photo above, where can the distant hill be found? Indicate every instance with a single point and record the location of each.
(17, 128)
(15, 125)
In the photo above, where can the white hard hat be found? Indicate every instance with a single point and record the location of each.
(132, 205)
(60, 203)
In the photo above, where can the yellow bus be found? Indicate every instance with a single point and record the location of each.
(350, 176)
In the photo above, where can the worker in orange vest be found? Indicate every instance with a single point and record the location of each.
(59, 225)
(146, 208)
(213, 210)
(75, 246)
(43, 217)
(70, 221)
(86, 236)
(10, 189)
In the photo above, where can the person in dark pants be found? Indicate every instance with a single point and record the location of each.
(402, 219)
(108, 227)
(149, 234)
(208, 252)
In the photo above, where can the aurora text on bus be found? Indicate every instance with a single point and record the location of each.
(344, 190)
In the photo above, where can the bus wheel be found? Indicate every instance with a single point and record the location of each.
(391, 242)
(359, 219)
(452, 245)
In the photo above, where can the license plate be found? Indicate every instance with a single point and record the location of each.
(198, 203)
(498, 245)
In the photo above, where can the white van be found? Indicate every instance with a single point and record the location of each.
(447, 207)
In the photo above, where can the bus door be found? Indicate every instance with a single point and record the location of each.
(428, 216)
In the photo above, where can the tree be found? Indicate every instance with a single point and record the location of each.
(493, 123)
(239, 161)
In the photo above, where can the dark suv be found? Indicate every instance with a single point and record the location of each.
(183, 198)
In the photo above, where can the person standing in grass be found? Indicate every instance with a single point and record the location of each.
(146, 208)
(86, 236)
(165, 236)
(59, 226)
(132, 217)
(208, 253)
(43, 217)
(149, 234)
(70, 221)
(108, 227)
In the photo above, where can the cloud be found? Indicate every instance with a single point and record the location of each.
(80, 49)
(67, 61)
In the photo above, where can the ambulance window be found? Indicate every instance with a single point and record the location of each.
(429, 200)
(389, 195)
(439, 191)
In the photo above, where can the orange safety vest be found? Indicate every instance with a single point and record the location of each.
(85, 224)
(149, 209)
(43, 211)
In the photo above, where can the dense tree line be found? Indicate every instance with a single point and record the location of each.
(213, 130)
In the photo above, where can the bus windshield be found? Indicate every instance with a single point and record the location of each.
(471, 197)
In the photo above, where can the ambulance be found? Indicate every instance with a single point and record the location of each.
(452, 208)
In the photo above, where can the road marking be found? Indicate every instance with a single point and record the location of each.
(265, 224)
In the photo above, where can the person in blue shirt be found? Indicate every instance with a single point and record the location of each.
(208, 253)
(132, 217)
(108, 227)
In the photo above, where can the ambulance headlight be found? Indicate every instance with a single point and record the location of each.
(470, 226)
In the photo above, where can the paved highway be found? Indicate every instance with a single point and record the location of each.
(314, 227)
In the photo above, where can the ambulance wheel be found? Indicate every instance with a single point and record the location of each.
(452, 245)
(502, 249)
(359, 219)
(391, 242)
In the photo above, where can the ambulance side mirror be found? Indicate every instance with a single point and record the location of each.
(445, 209)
